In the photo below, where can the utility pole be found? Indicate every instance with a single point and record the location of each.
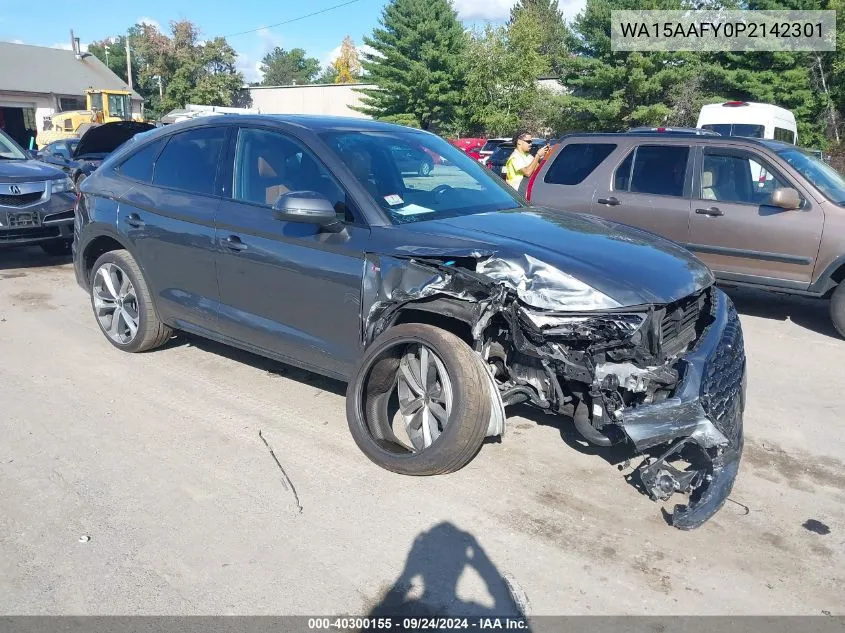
(128, 63)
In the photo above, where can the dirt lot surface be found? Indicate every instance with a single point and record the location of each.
(139, 484)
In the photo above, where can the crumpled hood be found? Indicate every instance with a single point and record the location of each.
(26, 171)
(629, 266)
(104, 139)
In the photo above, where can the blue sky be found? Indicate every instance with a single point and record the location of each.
(48, 23)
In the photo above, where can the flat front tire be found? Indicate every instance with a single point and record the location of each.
(419, 402)
(837, 309)
(123, 305)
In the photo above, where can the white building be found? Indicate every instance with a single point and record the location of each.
(328, 99)
(37, 81)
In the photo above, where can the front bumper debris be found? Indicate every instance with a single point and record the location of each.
(705, 414)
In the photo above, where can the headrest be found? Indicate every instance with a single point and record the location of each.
(265, 170)
(707, 179)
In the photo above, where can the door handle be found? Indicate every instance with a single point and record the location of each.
(713, 212)
(134, 220)
(233, 243)
(611, 202)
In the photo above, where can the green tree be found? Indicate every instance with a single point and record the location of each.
(191, 70)
(283, 68)
(328, 76)
(508, 99)
(552, 35)
(418, 65)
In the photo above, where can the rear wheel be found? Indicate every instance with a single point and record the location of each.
(123, 306)
(419, 403)
(837, 308)
(57, 248)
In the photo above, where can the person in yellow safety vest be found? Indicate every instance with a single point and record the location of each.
(521, 163)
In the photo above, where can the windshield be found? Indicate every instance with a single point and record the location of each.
(9, 149)
(824, 177)
(736, 129)
(414, 176)
(118, 106)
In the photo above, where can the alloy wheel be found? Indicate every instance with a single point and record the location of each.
(115, 303)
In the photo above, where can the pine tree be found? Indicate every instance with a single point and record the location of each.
(552, 33)
(417, 64)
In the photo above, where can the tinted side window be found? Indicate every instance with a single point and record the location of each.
(577, 161)
(660, 170)
(139, 166)
(60, 148)
(189, 160)
(622, 177)
(269, 164)
(787, 136)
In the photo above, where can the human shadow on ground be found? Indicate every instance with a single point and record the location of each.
(428, 585)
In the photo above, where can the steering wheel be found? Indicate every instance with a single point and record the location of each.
(439, 190)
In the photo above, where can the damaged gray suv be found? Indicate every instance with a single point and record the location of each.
(440, 299)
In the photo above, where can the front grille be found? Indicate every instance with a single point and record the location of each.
(12, 235)
(22, 200)
(678, 326)
(721, 386)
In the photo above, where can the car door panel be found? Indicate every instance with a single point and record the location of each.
(665, 214)
(750, 238)
(172, 232)
(172, 229)
(291, 288)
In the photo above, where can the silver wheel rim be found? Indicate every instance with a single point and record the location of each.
(425, 170)
(115, 303)
(425, 395)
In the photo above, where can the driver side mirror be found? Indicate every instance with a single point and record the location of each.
(307, 207)
(785, 198)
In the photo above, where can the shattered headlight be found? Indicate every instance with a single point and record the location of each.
(543, 286)
(599, 327)
(60, 186)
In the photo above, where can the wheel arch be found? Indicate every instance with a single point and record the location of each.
(97, 247)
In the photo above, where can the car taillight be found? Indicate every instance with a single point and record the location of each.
(661, 129)
(734, 104)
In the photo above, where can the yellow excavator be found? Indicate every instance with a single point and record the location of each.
(102, 106)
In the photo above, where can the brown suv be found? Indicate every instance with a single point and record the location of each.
(760, 213)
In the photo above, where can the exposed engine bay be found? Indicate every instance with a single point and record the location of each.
(636, 374)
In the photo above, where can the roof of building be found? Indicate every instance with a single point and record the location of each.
(25, 68)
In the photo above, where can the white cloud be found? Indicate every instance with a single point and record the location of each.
(483, 9)
(499, 10)
(148, 22)
(18, 42)
(269, 40)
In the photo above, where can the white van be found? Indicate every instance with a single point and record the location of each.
(743, 118)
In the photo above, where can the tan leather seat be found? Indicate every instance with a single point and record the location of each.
(273, 183)
(707, 180)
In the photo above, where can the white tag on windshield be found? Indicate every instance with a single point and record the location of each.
(412, 209)
(393, 200)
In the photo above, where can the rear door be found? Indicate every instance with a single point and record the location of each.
(289, 288)
(168, 217)
(649, 188)
(734, 229)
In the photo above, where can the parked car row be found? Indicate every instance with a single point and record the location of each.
(440, 300)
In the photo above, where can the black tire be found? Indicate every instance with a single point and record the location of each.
(151, 331)
(57, 248)
(369, 394)
(837, 309)
(425, 168)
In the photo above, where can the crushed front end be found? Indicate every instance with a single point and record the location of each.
(668, 379)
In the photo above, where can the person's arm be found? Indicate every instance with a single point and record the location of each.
(535, 163)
